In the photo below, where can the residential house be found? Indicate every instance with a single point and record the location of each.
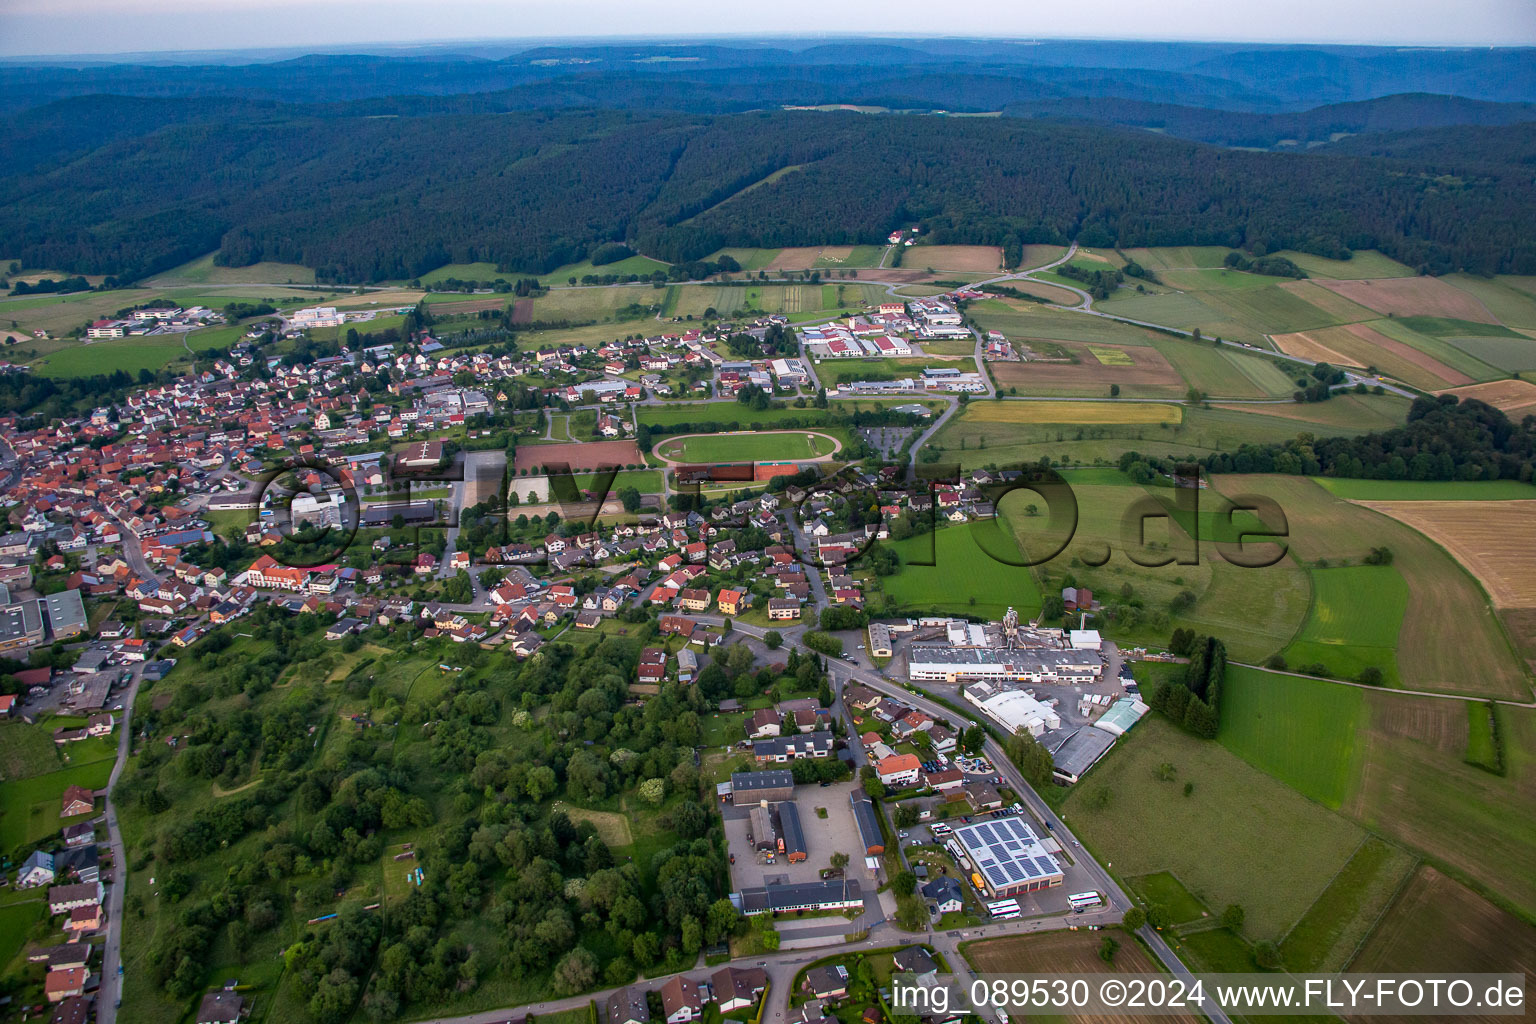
(680, 1000)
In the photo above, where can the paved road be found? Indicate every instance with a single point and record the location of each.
(111, 982)
(1117, 902)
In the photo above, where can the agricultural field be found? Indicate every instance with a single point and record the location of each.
(202, 271)
(1180, 257)
(1354, 620)
(1073, 412)
(1438, 924)
(1267, 308)
(773, 446)
(1249, 826)
(1416, 787)
(602, 304)
(127, 354)
(1510, 299)
(751, 260)
(1427, 490)
(683, 300)
(1493, 540)
(1413, 296)
(1344, 413)
(643, 266)
(1068, 952)
(1225, 372)
(1021, 319)
(1443, 600)
(1363, 264)
(1140, 370)
(1363, 346)
(951, 571)
(1301, 731)
(962, 259)
(1331, 931)
(1515, 398)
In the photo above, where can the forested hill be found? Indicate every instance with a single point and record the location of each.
(1295, 129)
(376, 197)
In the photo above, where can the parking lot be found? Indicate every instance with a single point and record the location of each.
(836, 833)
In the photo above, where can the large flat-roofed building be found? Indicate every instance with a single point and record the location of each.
(66, 614)
(377, 514)
(950, 664)
(838, 894)
(1080, 752)
(21, 625)
(750, 787)
(1008, 856)
(1014, 710)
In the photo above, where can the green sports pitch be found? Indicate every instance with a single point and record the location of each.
(774, 446)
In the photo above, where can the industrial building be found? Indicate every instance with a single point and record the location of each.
(838, 894)
(870, 836)
(1008, 857)
(791, 835)
(947, 663)
(1123, 714)
(1015, 710)
(1079, 752)
(750, 787)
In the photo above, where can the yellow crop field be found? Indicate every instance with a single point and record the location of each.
(1074, 412)
(1110, 356)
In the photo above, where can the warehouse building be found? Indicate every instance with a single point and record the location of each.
(870, 836)
(791, 835)
(948, 663)
(1008, 857)
(1080, 752)
(750, 787)
(1014, 710)
(1123, 714)
(838, 894)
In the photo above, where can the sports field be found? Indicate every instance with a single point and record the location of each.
(1356, 614)
(1301, 731)
(1072, 412)
(771, 446)
(952, 571)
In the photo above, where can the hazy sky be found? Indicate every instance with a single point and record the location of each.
(117, 26)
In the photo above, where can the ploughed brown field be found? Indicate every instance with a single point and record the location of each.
(1064, 952)
(1439, 926)
(1362, 345)
(1412, 296)
(1148, 375)
(587, 455)
(1515, 398)
(961, 259)
(1494, 540)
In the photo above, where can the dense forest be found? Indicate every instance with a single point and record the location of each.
(374, 198)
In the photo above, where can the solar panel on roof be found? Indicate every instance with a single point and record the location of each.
(1046, 867)
(997, 877)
